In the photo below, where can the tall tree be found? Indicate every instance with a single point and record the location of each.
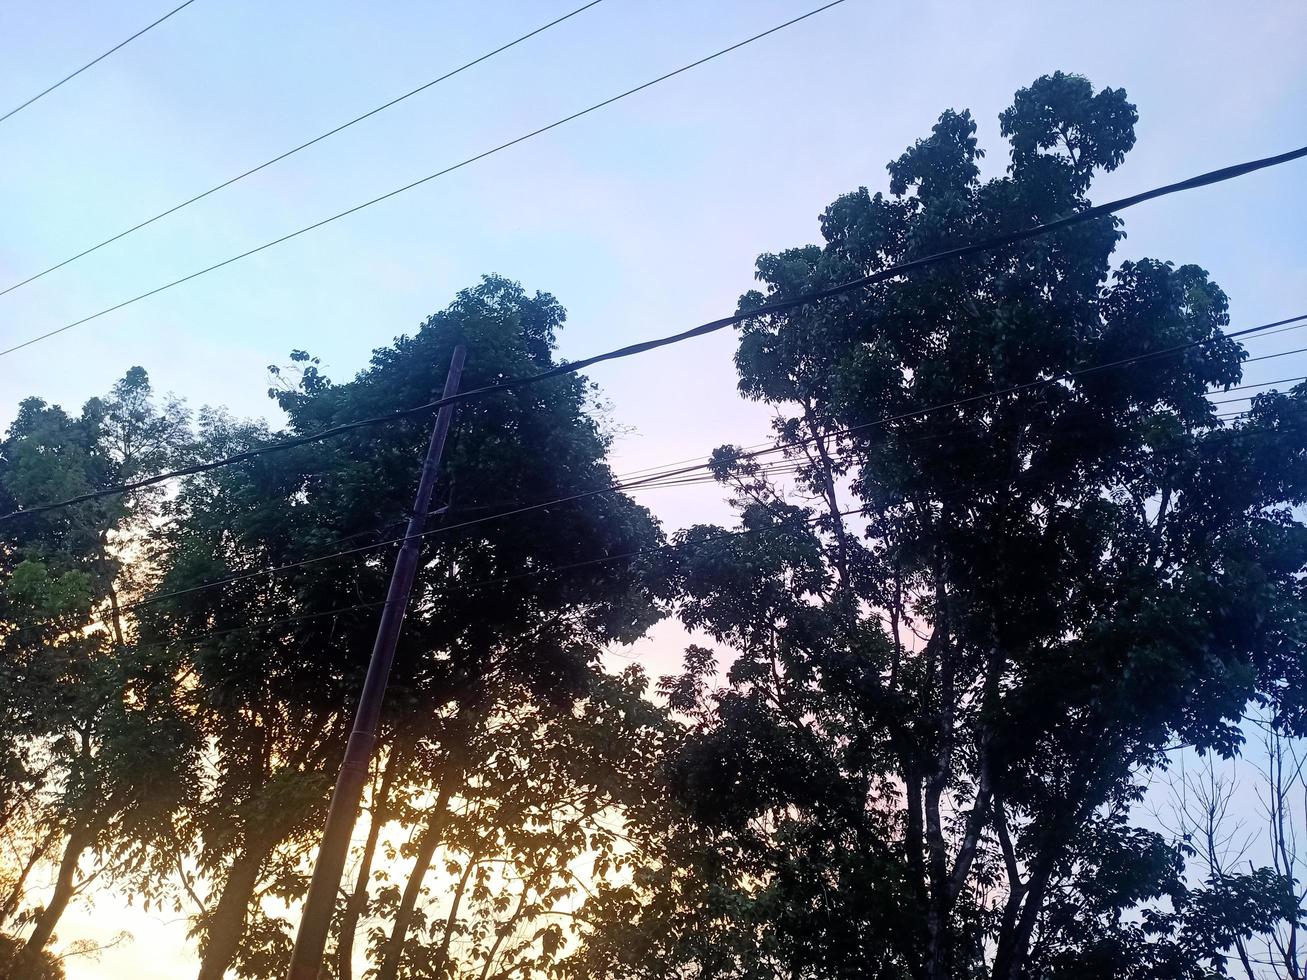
(275, 661)
(97, 750)
(924, 758)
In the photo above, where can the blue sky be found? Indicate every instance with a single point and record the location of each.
(643, 219)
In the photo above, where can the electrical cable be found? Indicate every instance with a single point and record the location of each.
(571, 366)
(475, 584)
(1011, 238)
(95, 61)
(420, 181)
(303, 146)
(783, 466)
(1264, 384)
(669, 476)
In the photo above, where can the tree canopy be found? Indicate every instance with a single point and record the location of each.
(1003, 559)
(1018, 581)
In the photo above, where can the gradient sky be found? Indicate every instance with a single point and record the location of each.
(643, 218)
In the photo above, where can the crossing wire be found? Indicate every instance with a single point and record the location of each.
(533, 573)
(95, 61)
(673, 475)
(670, 475)
(500, 579)
(573, 366)
(670, 478)
(303, 146)
(1264, 384)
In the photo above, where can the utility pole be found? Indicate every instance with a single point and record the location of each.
(311, 939)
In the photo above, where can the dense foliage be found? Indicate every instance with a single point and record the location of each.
(189, 744)
(994, 580)
(960, 635)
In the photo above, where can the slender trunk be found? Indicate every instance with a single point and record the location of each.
(832, 498)
(115, 612)
(15, 895)
(977, 818)
(938, 912)
(1014, 943)
(29, 960)
(914, 836)
(442, 956)
(359, 898)
(1016, 888)
(503, 931)
(226, 926)
(895, 619)
(431, 836)
(117, 617)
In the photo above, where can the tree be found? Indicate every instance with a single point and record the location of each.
(274, 661)
(924, 759)
(1210, 816)
(96, 750)
(533, 819)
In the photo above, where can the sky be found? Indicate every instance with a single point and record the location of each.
(643, 218)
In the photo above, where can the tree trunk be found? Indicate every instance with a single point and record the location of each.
(938, 933)
(832, 498)
(29, 960)
(442, 956)
(502, 931)
(15, 896)
(431, 836)
(117, 617)
(359, 898)
(1014, 944)
(226, 927)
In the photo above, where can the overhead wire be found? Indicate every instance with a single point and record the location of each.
(302, 146)
(654, 481)
(672, 475)
(422, 180)
(569, 367)
(531, 573)
(1264, 384)
(782, 466)
(1087, 214)
(1296, 323)
(657, 481)
(95, 61)
(1268, 357)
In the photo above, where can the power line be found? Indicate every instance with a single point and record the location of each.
(95, 61)
(500, 579)
(303, 146)
(423, 180)
(573, 366)
(1267, 357)
(1264, 384)
(616, 487)
(667, 476)
(533, 573)
(553, 569)
(655, 481)
(1088, 214)
(670, 475)
(1296, 323)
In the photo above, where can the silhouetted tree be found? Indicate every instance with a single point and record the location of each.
(97, 751)
(923, 760)
(279, 658)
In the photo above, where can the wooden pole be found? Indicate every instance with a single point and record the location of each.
(315, 920)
